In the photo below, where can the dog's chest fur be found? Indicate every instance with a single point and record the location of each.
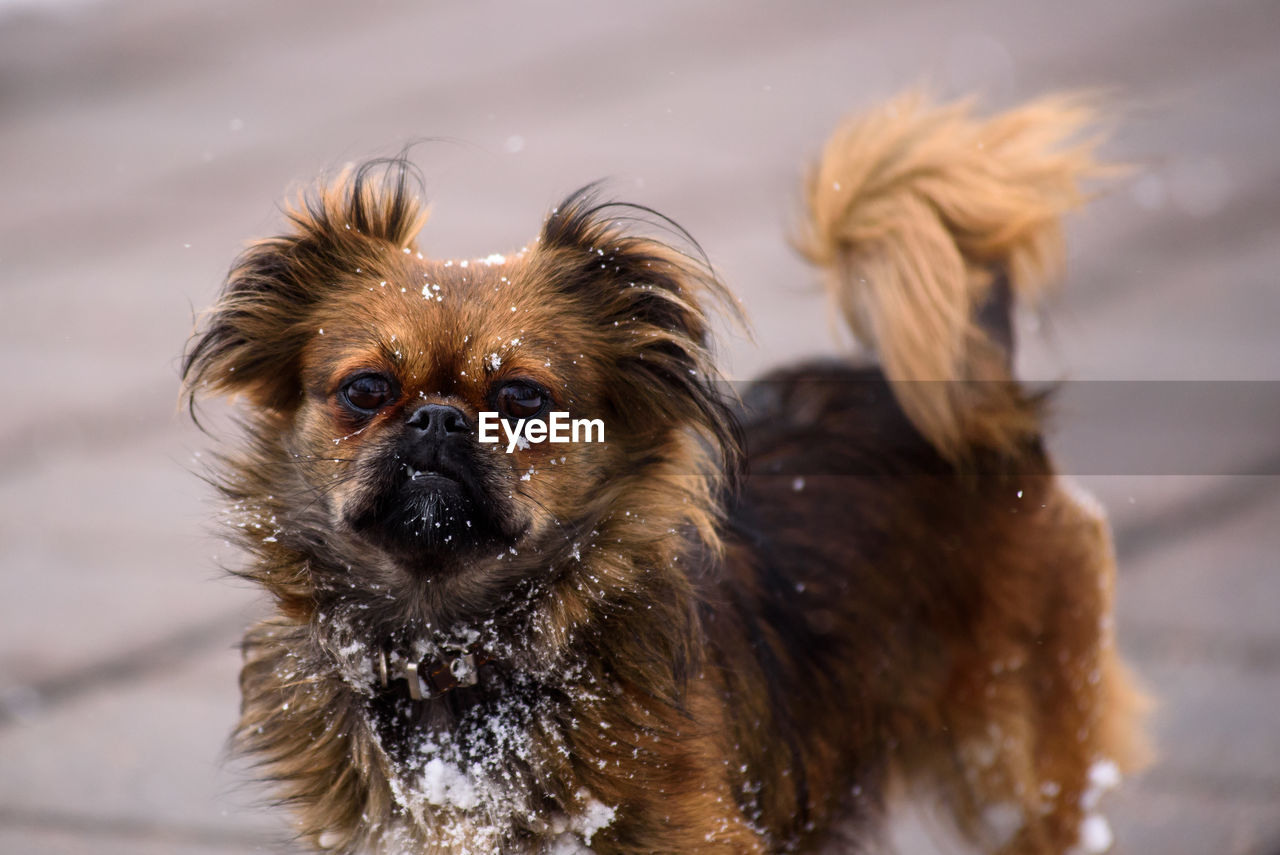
(494, 767)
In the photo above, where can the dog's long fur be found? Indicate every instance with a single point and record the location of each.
(899, 589)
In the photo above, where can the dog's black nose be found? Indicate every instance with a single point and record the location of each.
(438, 420)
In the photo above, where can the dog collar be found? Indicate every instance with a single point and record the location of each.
(429, 679)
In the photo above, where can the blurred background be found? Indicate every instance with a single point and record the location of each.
(142, 143)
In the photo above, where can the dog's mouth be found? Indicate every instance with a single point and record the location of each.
(428, 477)
(439, 488)
(429, 514)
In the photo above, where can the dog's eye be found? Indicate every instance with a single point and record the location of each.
(521, 400)
(367, 393)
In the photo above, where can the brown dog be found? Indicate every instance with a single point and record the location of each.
(726, 627)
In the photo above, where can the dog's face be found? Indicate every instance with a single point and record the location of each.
(369, 368)
(405, 358)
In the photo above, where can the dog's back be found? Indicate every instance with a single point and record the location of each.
(913, 595)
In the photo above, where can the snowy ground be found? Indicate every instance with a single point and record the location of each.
(142, 142)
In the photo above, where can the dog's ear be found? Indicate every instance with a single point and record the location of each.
(250, 342)
(648, 299)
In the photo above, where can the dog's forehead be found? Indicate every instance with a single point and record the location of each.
(474, 305)
(433, 321)
(427, 299)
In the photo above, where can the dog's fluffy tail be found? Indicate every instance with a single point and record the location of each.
(928, 223)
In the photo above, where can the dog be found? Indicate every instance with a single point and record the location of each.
(726, 623)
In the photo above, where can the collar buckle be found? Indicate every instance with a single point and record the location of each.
(428, 680)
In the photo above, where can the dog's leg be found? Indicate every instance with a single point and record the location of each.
(1085, 706)
(1040, 717)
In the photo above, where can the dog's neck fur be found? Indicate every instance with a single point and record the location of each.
(482, 768)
